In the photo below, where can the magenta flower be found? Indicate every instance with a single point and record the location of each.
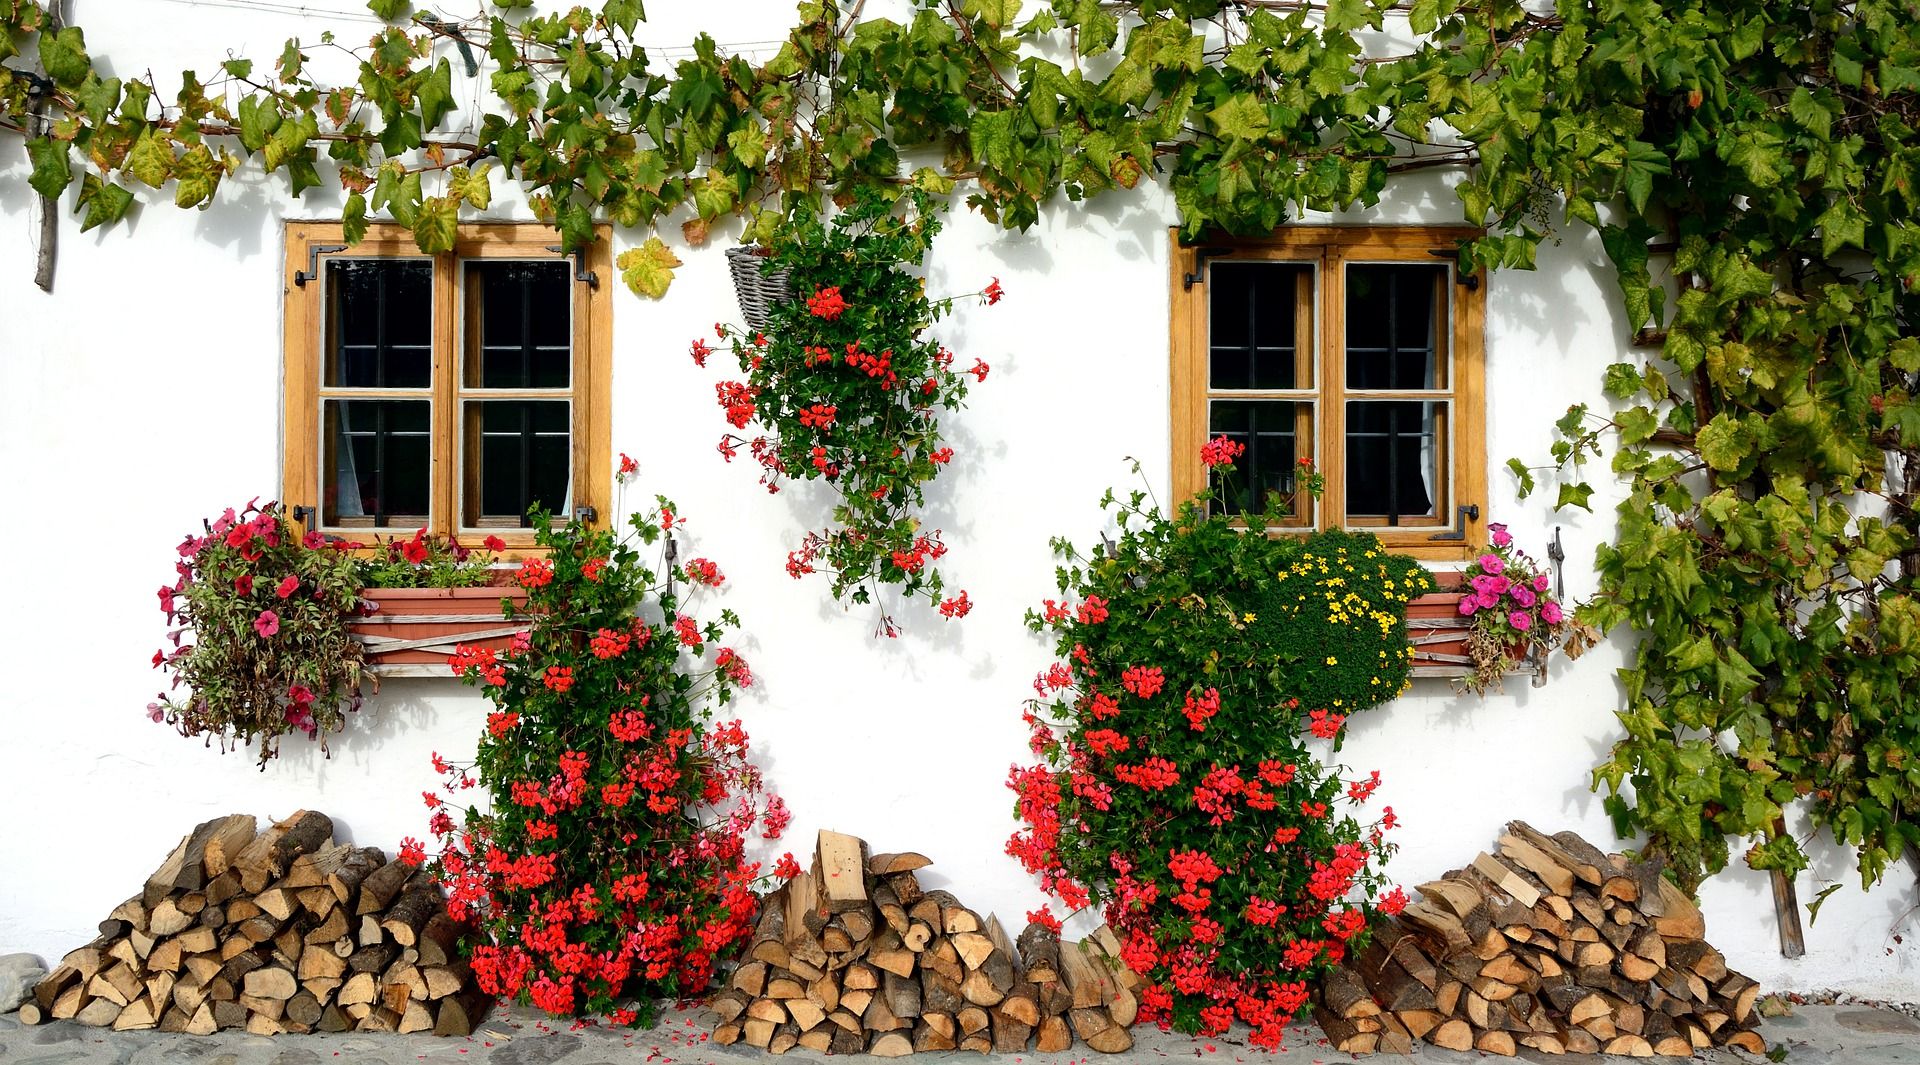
(1499, 585)
(266, 624)
(1520, 620)
(1487, 600)
(1469, 604)
(1492, 563)
(1550, 612)
(1501, 537)
(1481, 582)
(1523, 595)
(1540, 583)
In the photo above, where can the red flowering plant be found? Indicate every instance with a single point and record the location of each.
(607, 870)
(845, 386)
(258, 640)
(422, 561)
(1512, 615)
(1180, 786)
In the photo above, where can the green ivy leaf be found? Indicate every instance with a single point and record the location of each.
(353, 218)
(1575, 495)
(63, 54)
(51, 172)
(1622, 380)
(1523, 478)
(196, 177)
(996, 13)
(1725, 442)
(1810, 114)
(1637, 424)
(749, 144)
(436, 95)
(648, 269)
(102, 202)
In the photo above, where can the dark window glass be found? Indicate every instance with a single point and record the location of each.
(520, 324)
(1253, 325)
(1275, 433)
(1393, 324)
(518, 453)
(379, 323)
(1394, 459)
(378, 462)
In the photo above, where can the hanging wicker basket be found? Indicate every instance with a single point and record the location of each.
(757, 283)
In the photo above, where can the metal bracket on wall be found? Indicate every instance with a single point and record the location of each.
(312, 272)
(1558, 555)
(305, 515)
(580, 271)
(1461, 516)
(673, 552)
(1199, 274)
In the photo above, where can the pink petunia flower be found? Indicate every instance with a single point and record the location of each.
(287, 587)
(1469, 604)
(1501, 537)
(1520, 620)
(1550, 612)
(266, 624)
(1492, 563)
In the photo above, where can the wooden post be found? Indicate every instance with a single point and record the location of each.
(1786, 906)
(49, 205)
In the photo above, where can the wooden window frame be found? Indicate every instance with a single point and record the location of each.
(590, 392)
(1329, 249)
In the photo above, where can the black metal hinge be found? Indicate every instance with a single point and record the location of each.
(1199, 274)
(1461, 516)
(312, 272)
(580, 271)
(1469, 278)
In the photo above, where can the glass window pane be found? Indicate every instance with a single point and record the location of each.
(377, 466)
(518, 453)
(1254, 327)
(1277, 434)
(379, 323)
(519, 324)
(1395, 318)
(1397, 462)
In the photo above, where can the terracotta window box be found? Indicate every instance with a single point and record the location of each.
(1438, 634)
(415, 630)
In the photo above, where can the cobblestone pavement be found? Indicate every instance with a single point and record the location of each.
(1813, 1035)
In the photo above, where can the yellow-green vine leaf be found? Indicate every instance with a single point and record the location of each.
(102, 202)
(436, 224)
(648, 269)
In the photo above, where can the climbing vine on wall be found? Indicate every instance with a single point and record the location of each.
(1748, 165)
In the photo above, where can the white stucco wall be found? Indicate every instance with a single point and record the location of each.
(144, 394)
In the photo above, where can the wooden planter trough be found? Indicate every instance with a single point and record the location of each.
(415, 630)
(1438, 634)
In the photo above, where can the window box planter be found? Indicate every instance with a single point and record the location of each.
(1439, 636)
(412, 631)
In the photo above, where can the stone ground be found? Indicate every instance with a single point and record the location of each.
(1812, 1035)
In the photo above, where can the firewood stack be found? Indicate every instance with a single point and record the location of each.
(1550, 945)
(279, 931)
(856, 957)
